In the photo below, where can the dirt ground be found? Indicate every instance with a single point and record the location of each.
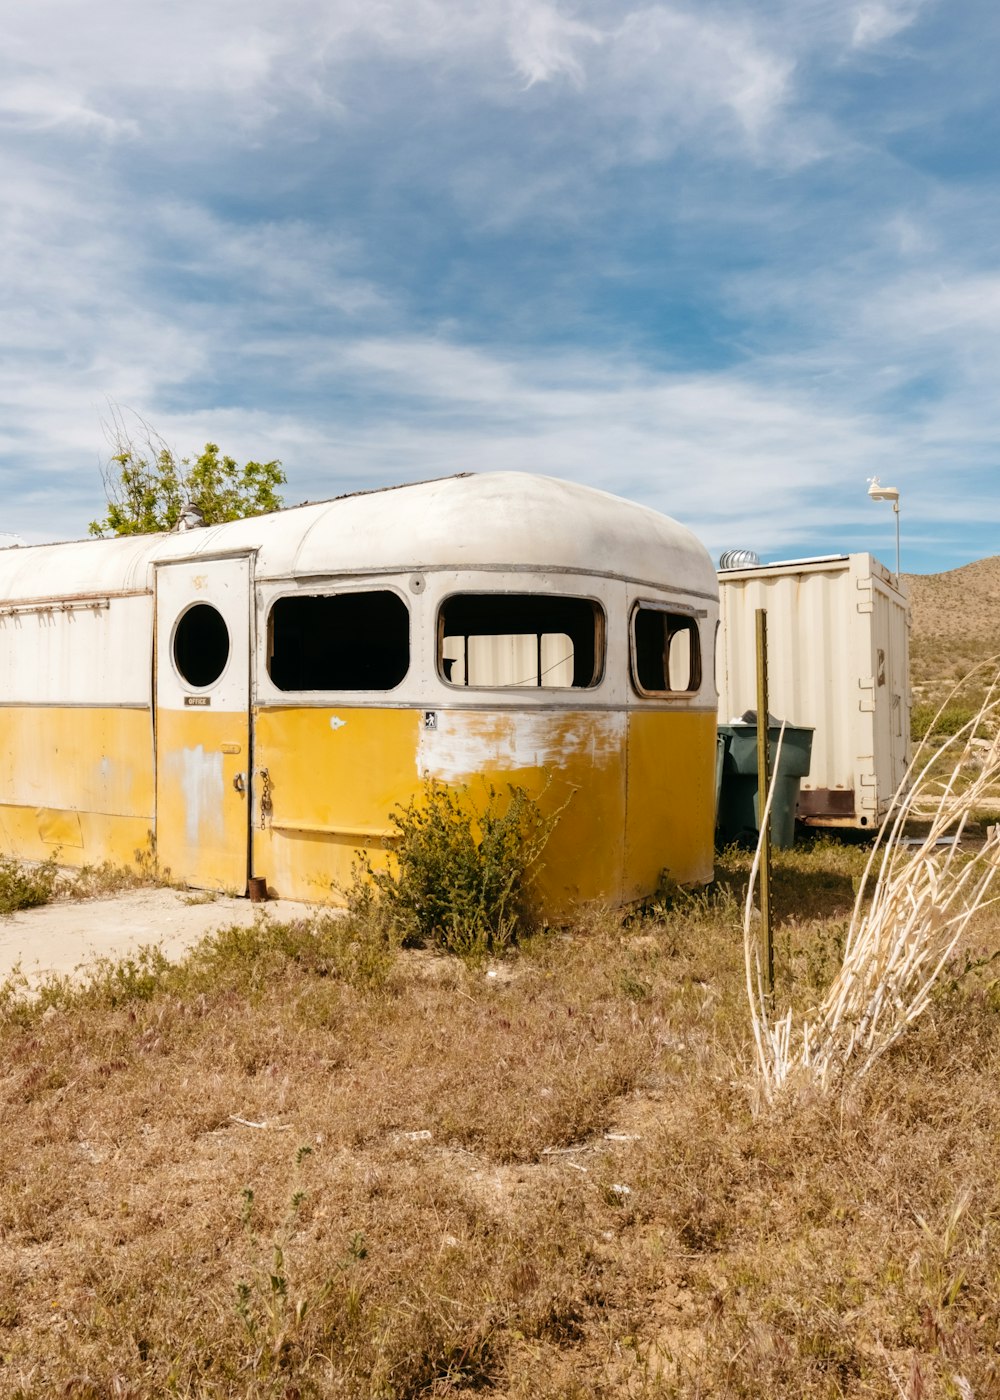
(66, 935)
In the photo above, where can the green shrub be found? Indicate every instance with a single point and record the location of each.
(460, 877)
(925, 719)
(25, 887)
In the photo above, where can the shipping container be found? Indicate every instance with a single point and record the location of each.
(838, 662)
(256, 697)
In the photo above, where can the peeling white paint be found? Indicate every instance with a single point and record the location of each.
(336, 722)
(467, 743)
(200, 776)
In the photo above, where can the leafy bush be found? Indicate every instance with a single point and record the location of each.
(147, 485)
(924, 719)
(460, 876)
(25, 887)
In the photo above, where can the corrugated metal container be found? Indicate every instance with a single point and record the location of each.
(838, 662)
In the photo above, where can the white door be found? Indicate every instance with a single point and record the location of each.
(203, 649)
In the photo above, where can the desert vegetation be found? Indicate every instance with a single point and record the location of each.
(916, 900)
(462, 876)
(28, 885)
(433, 1149)
(956, 626)
(306, 1162)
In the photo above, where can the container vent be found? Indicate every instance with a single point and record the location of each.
(739, 559)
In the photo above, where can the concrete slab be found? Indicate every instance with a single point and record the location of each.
(64, 936)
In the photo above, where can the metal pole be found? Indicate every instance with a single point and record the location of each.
(895, 506)
(763, 786)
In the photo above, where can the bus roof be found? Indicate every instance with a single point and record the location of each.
(492, 520)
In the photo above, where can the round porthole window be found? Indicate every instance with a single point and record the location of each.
(201, 645)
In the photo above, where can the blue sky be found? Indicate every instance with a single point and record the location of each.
(727, 259)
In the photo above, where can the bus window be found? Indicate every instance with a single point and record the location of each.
(666, 652)
(516, 641)
(201, 645)
(339, 641)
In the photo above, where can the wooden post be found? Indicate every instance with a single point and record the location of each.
(763, 787)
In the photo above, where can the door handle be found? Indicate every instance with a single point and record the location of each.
(240, 782)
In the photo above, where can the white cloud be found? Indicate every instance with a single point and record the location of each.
(717, 451)
(289, 262)
(875, 21)
(684, 69)
(39, 106)
(658, 71)
(910, 236)
(545, 43)
(143, 271)
(645, 78)
(947, 305)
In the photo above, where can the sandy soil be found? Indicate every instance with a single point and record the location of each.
(64, 936)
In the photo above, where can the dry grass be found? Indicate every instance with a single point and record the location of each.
(28, 884)
(912, 911)
(101, 881)
(459, 1220)
(304, 1164)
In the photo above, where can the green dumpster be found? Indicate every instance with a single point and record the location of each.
(738, 806)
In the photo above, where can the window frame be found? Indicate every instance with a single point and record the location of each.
(600, 641)
(174, 633)
(267, 606)
(692, 616)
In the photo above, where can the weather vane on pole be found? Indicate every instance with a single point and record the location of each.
(878, 492)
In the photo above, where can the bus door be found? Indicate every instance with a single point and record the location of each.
(204, 622)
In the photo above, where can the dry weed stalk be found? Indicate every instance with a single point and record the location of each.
(922, 900)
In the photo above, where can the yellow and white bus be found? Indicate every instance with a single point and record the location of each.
(257, 696)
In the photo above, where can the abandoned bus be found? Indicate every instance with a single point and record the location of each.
(256, 697)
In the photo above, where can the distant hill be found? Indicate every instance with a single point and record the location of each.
(956, 623)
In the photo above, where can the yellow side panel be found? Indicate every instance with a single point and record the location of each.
(201, 815)
(573, 762)
(77, 759)
(671, 799)
(75, 782)
(334, 777)
(26, 833)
